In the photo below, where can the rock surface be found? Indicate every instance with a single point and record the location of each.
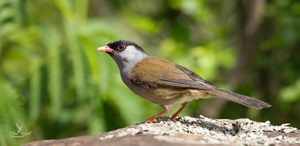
(189, 131)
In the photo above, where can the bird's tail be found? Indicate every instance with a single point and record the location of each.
(238, 98)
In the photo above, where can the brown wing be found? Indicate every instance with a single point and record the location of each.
(157, 72)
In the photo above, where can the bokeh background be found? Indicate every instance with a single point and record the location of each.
(55, 84)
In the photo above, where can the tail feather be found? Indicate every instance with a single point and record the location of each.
(238, 98)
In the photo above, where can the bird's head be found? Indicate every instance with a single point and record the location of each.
(125, 53)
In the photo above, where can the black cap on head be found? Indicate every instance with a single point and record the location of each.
(121, 45)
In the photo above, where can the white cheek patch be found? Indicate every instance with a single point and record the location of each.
(131, 53)
(131, 56)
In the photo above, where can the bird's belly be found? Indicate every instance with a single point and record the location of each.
(165, 96)
(170, 96)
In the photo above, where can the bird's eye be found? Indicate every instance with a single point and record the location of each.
(121, 47)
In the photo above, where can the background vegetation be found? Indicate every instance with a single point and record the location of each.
(55, 83)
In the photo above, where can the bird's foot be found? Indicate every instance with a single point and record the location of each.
(164, 119)
(174, 119)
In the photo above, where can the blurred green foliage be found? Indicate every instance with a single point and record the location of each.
(55, 83)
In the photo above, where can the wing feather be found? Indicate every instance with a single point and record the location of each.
(156, 72)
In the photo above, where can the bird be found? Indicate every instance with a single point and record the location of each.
(165, 83)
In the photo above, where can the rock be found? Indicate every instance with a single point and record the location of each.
(189, 131)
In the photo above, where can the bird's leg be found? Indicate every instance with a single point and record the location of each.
(184, 105)
(162, 113)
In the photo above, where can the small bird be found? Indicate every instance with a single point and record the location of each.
(165, 83)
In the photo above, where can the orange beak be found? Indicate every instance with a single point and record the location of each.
(104, 49)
